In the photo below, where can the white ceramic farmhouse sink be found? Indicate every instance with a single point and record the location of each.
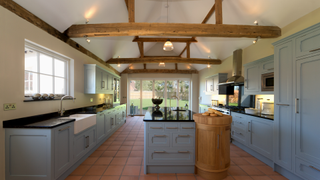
(83, 121)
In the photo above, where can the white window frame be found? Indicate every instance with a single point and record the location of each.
(54, 55)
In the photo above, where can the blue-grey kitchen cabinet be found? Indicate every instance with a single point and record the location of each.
(297, 62)
(84, 142)
(254, 133)
(251, 81)
(38, 154)
(169, 147)
(101, 126)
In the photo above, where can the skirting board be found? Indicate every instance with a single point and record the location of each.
(169, 169)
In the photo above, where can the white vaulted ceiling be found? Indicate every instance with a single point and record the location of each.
(61, 14)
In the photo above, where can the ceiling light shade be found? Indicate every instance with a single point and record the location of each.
(162, 64)
(168, 46)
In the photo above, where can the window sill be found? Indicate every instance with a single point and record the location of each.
(44, 100)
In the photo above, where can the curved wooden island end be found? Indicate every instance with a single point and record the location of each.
(212, 146)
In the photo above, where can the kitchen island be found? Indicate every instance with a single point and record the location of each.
(169, 141)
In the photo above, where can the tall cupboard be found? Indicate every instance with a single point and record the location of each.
(297, 62)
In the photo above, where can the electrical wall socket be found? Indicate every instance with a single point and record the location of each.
(91, 99)
(9, 106)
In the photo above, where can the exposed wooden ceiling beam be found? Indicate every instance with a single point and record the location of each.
(140, 45)
(36, 21)
(131, 11)
(172, 29)
(162, 59)
(132, 71)
(183, 51)
(218, 9)
(188, 50)
(209, 15)
(182, 40)
(126, 1)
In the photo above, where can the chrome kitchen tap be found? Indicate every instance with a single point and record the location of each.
(61, 111)
(173, 97)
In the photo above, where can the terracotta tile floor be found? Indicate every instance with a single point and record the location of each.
(121, 158)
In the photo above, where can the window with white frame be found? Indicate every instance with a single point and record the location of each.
(45, 71)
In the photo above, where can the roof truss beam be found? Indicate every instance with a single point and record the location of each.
(155, 59)
(171, 71)
(172, 29)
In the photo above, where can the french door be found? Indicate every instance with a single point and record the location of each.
(175, 93)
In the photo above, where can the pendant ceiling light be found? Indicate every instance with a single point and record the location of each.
(168, 46)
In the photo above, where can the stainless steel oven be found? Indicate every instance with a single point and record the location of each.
(267, 82)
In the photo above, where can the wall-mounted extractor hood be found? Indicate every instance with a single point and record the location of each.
(236, 78)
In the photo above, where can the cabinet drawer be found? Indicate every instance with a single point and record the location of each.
(239, 135)
(183, 139)
(183, 156)
(307, 170)
(308, 44)
(159, 139)
(187, 127)
(239, 121)
(155, 127)
(171, 127)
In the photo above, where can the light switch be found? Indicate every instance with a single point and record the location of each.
(10, 106)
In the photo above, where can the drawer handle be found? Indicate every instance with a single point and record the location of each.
(159, 151)
(159, 135)
(183, 151)
(238, 117)
(296, 103)
(183, 135)
(87, 141)
(248, 126)
(238, 122)
(172, 127)
(187, 127)
(315, 50)
(270, 69)
(283, 104)
(238, 133)
(156, 127)
(64, 128)
(314, 168)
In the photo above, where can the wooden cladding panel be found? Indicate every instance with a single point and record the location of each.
(172, 29)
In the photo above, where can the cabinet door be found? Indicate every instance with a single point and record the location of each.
(267, 67)
(91, 138)
(99, 80)
(63, 148)
(104, 81)
(283, 104)
(209, 85)
(308, 44)
(215, 85)
(79, 146)
(261, 136)
(110, 82)
(307, 109)
(252, 79)
(101, 126)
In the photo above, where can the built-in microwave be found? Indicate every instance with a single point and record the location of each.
(267, 82)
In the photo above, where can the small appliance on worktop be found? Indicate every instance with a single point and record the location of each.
(168, 114)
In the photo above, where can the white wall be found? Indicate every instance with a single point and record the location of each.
(13, 32)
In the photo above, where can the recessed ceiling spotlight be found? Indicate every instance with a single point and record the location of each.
(162, 64)
(256, 22)
(118, 62)
(208, 66)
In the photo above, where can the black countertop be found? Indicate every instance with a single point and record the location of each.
(52, 120)
(168, 115)
(268, 117)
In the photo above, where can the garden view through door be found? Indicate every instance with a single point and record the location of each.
(147, 94)
(134, 89)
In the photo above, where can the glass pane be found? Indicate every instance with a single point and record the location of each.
(172, 93)
(30, 83)
(59, 68)
(159, 91)
(46, 84)
(233, 99)
(134, 97)
(59, 86)
(45, 64)
(146, 95)
(30, 60)
(184, 93)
